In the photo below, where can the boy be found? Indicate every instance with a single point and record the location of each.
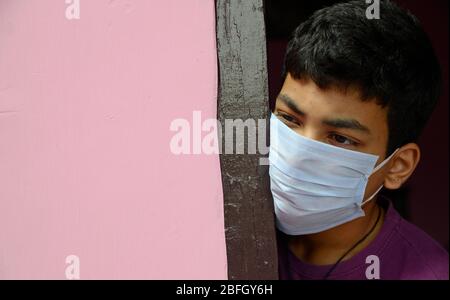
(356, 94)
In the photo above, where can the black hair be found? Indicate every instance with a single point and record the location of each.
(389, 59)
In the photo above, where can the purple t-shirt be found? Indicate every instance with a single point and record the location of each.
(403, 250)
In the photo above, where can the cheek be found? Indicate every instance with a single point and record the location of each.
(375, 181)
(376, 144)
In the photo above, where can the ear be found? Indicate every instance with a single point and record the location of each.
(402, 166)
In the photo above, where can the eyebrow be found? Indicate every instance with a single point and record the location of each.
(347, 124)
(336, 123)
(291, 104)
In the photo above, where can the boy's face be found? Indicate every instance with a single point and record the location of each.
(335, 117)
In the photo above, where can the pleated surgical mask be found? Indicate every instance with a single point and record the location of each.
(316, 186)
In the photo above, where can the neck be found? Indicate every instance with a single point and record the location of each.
(327, 247)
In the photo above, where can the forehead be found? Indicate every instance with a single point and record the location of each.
(332, 102)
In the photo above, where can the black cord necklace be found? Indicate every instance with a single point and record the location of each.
(353, 247)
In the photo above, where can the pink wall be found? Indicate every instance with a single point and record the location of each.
(85, 162)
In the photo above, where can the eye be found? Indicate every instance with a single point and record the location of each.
(342, 140)
(289, 119)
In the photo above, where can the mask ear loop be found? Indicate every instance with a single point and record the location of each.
(374, 171)
(373, 195)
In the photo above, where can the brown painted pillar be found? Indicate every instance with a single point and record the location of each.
(243, 94)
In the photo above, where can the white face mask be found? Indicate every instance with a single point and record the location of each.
(316, 186)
